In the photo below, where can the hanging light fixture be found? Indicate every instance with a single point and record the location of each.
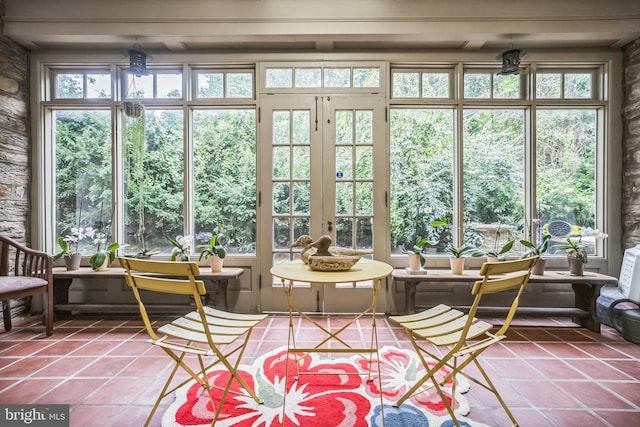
(510, 61)
(137, 61)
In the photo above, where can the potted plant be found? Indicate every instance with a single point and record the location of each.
(537, 250)
(182, 248)
(416, 255)
(69, 249)
(216, 251)
(457, 256)
(105, 253)
(576, 256)
(145, 253)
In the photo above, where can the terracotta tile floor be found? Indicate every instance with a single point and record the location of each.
(550, 372)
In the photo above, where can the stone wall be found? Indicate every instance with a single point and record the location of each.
(15, 148)
(631, 146)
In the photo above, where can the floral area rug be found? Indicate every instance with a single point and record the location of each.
(332, 399)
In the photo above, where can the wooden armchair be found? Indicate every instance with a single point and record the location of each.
(25, 272)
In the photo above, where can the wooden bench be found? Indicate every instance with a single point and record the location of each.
(62, 280)
(586, 290)
(25, 272)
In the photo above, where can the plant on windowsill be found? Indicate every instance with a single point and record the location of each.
(537, 250)
(576, 256)
(69, 248)
(457, 255)
(496, 254)
(105, 253)
(416, 254)
(182, 248)
(145, 253)
(216, 251)
(577, 251)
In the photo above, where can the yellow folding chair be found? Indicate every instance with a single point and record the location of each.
(204, 333)
(459, 336)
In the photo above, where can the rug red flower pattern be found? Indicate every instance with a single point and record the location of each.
(335, 396)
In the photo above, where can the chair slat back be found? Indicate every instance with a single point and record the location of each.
(505, 267)
(169, 286)
(500, 277)
(169, 277)
(163, 276)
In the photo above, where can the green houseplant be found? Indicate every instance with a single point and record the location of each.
(576, 256)
(69, 249)
(182, 248)
(215, 250)
(104, 256)
(457, 255)
(497, 253)
(416, 254)
(537, 250)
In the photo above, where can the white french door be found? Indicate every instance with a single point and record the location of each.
(323, 158)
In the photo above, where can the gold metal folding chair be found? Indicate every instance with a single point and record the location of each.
(460, 336)
(208, 334)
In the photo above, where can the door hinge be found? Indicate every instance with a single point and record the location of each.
(259, 114)
(259, 282)
(259, 198)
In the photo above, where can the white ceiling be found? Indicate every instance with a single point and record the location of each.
(327, 25)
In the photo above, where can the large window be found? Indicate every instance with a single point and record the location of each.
(83, 174)
(510, 169)
(474, 157)
(150, 180)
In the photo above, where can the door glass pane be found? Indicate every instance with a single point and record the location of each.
(301, 162)
(281, 198)
(281, 162)
(83, 175)
(301, 127)
(225, 177)
(281, 133)
(344, 232)
(421, 176)
(364, 163)
(364, 127)
(301, 197)
(281, 233)
(566, 171)
(344, 163)
(344, 198)
(364, 198)
(364, 236)
(344, 127)
(493, 177)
